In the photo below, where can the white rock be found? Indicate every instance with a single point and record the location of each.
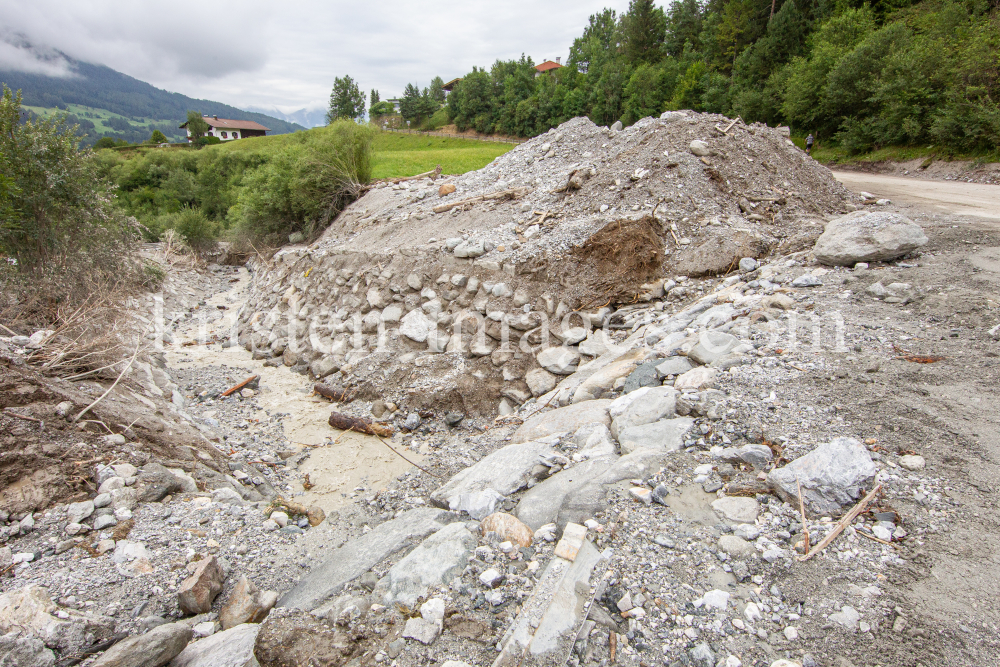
(867, 236)
(699, 148)
(416, 326)
(715, 599)
(912, 462)
(559, 360)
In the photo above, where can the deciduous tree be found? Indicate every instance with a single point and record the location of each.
(346, 100)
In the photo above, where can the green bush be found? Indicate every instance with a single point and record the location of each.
(208, 141)
(197, 230)
(305, 185)
(437, 121)
(59, 223)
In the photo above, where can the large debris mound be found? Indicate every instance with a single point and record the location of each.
(598, 216)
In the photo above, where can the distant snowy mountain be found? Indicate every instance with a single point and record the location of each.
(303, 117)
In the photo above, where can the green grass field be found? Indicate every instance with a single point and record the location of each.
(397, 155)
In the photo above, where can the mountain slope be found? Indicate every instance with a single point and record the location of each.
(100, 87)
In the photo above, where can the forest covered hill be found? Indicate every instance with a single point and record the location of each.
(105, 102)
(860, 75)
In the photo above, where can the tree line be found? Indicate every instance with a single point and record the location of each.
(858, 74)
(416, 106)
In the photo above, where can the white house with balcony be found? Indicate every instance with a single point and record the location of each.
(227, 130)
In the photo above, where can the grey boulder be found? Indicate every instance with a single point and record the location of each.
(359, 555)
(505, 471)
(27, 650)
(712, 345)
(231, 648)
(864, 236)
(663, 436)
(652, 405)
(832, 475)
(153, 649)
(437, 560)
(562, 420)
(542, 503)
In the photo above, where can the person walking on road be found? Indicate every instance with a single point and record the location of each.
(809, 143)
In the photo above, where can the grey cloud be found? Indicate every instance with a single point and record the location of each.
(252, 53)
(17, 54)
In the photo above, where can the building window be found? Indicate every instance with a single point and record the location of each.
(224, 135)
(236, 135)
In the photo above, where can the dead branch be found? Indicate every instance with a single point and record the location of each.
(876, 539)
(331, 393)
(347, 423)
(512, 193)
(412, 463)
(236, 387)
(843, 523)
(113, 385)
(25, 417)
(432, 174)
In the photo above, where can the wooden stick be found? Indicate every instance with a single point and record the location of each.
(848, 518)
(25, 417)
(612, 645)
(406, 459)
(805, 526)
(503, 194)
(240, 385)
(113, 385)
(880, 541)
(432, 174)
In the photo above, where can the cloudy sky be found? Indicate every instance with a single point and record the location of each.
(255, 53)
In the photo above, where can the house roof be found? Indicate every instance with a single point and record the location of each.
(228, 124)
(451, 84)
(547, 65)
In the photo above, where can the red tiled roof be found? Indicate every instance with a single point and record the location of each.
(227, 124)
(547, 65)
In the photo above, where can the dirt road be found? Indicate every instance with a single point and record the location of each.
(952, 197)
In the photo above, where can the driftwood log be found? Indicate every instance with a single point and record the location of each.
(432, 174)
(332, 393)
(347, 423)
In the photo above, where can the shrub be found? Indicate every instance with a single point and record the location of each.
(437, 121)
(305, 185)
(198, 232)
(61, 227)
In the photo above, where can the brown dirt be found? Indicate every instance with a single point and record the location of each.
(51, 460)
(623, 255)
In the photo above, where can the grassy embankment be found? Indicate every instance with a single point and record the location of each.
(837, 155)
